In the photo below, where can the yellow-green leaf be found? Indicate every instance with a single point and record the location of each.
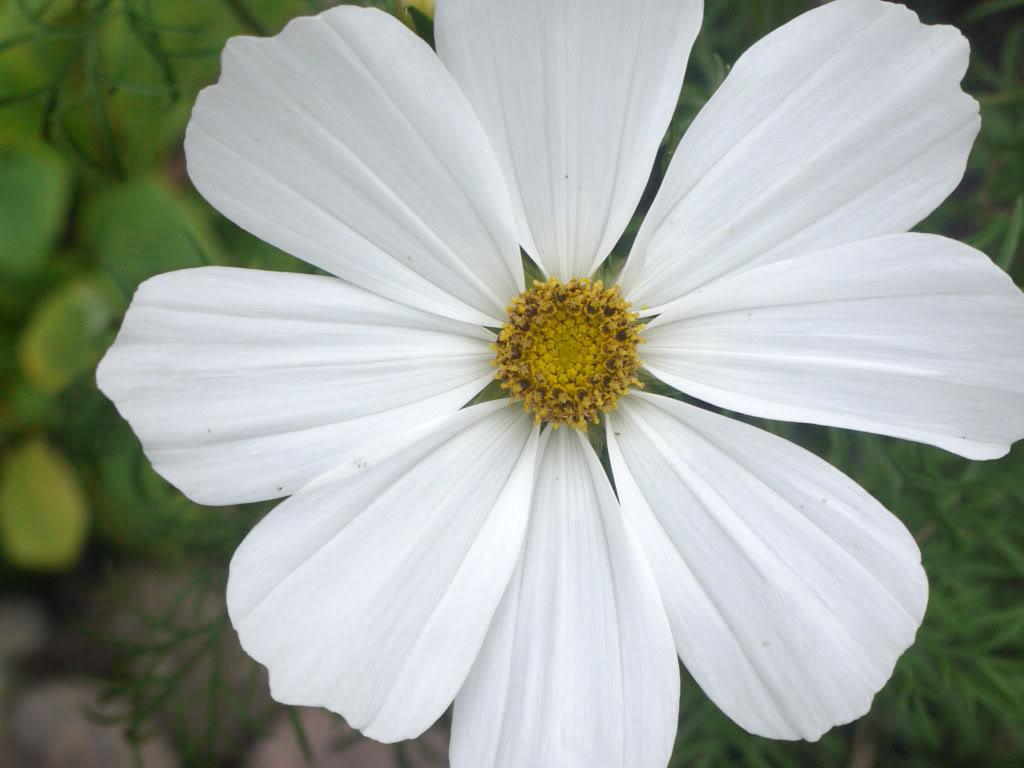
(63, 337)
(43, 512)
(424, 7)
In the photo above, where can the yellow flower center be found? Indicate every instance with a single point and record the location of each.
(568, 351)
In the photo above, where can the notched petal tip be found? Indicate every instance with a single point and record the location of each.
(919, 341)
(370, 592)
(320, 141)
(791, 592)
(848, 122)
(244, 385)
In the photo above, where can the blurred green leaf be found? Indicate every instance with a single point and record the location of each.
(138, 511)
(25, 407)
(31, 53)
(408, 10)
(990, 8)
(43, 514)
(422, 24)
(142, 228)
(135, 112)
(63, 337)
(1011, 244)
(35, 191)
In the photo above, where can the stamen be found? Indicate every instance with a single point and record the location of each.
(568, 351)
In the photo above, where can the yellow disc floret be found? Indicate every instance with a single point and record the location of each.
(568, 351)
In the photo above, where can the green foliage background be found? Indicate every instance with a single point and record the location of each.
(94, 199)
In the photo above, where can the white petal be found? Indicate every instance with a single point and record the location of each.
(245, 385)
(345, 142)
(578, 669)
(370, 591)
(576, 96)
(791, 592)
(914, 336)
(844, 124)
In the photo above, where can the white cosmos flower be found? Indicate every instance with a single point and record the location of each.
(432, 552)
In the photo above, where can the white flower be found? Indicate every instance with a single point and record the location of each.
(431, 552)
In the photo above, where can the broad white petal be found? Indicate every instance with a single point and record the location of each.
(370, 591)
(576, 96)
(245, 385)
(791, 592)
(578, 669)
(847, 123)
(913, 336)
(344, 141)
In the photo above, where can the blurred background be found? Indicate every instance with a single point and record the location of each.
(115, 649)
